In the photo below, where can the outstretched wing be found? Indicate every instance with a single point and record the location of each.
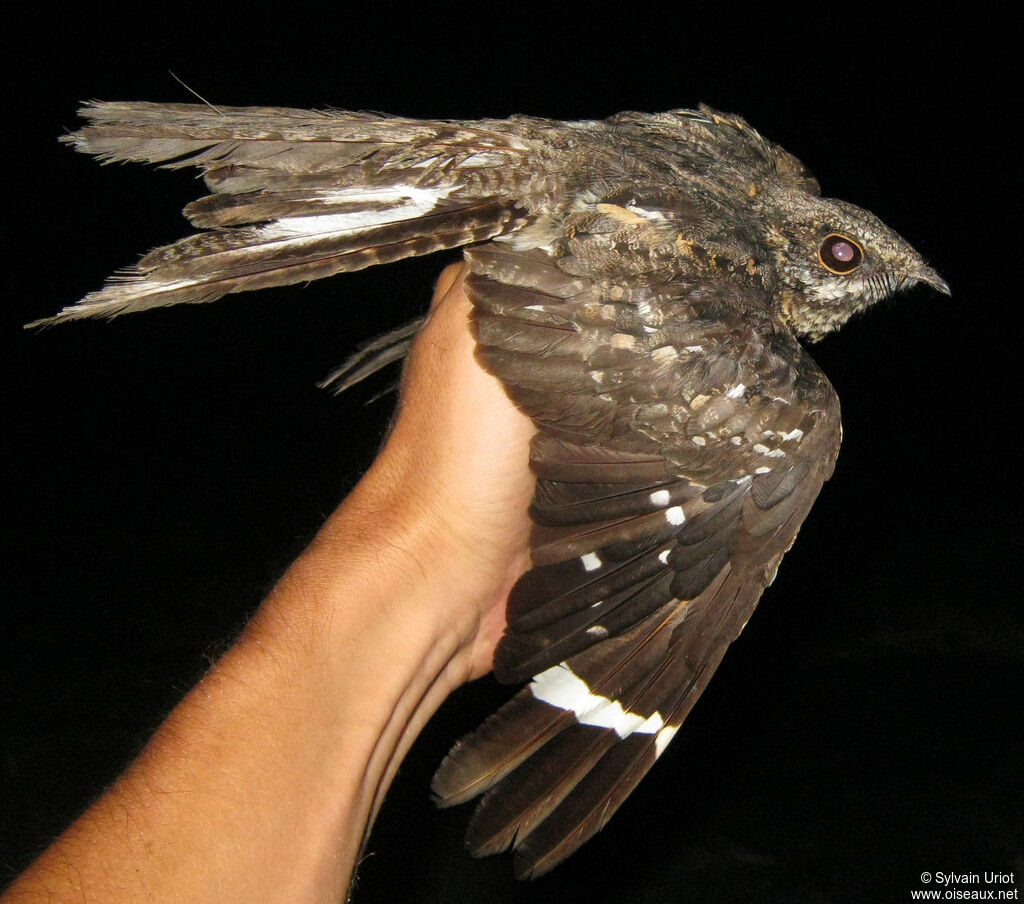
(681, 445)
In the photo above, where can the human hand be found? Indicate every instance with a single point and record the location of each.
(452, 484)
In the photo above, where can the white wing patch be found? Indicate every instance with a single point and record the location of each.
(560, 686)
(665, 735)
(675, 515)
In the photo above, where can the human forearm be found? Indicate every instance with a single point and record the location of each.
(260, 783)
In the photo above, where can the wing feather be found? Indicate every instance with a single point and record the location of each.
(671, 480)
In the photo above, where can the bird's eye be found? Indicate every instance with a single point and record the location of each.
(840, 254)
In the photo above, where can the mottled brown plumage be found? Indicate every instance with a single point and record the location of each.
(639, 286)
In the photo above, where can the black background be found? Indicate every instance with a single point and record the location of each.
(162, 470)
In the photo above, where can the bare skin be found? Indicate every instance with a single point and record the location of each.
(261, 783)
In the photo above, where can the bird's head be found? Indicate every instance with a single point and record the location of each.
(833, 259)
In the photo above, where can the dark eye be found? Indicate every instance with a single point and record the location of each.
(840, 254)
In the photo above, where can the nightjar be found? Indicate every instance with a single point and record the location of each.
(640, 286)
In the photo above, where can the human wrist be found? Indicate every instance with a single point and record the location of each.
(354, 628)
(375, 578)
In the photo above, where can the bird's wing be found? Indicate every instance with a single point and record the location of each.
(299, 194)
(679, 449)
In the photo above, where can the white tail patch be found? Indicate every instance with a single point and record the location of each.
(591, 561)
(404, 202)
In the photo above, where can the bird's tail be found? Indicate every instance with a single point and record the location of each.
(297, 195)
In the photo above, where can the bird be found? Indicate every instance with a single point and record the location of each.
(643, 287)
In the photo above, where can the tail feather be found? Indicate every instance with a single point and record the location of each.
(299, 194)
(207, 266)
(277, 138)
(372, 357)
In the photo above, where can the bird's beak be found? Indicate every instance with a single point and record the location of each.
(930, 277)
